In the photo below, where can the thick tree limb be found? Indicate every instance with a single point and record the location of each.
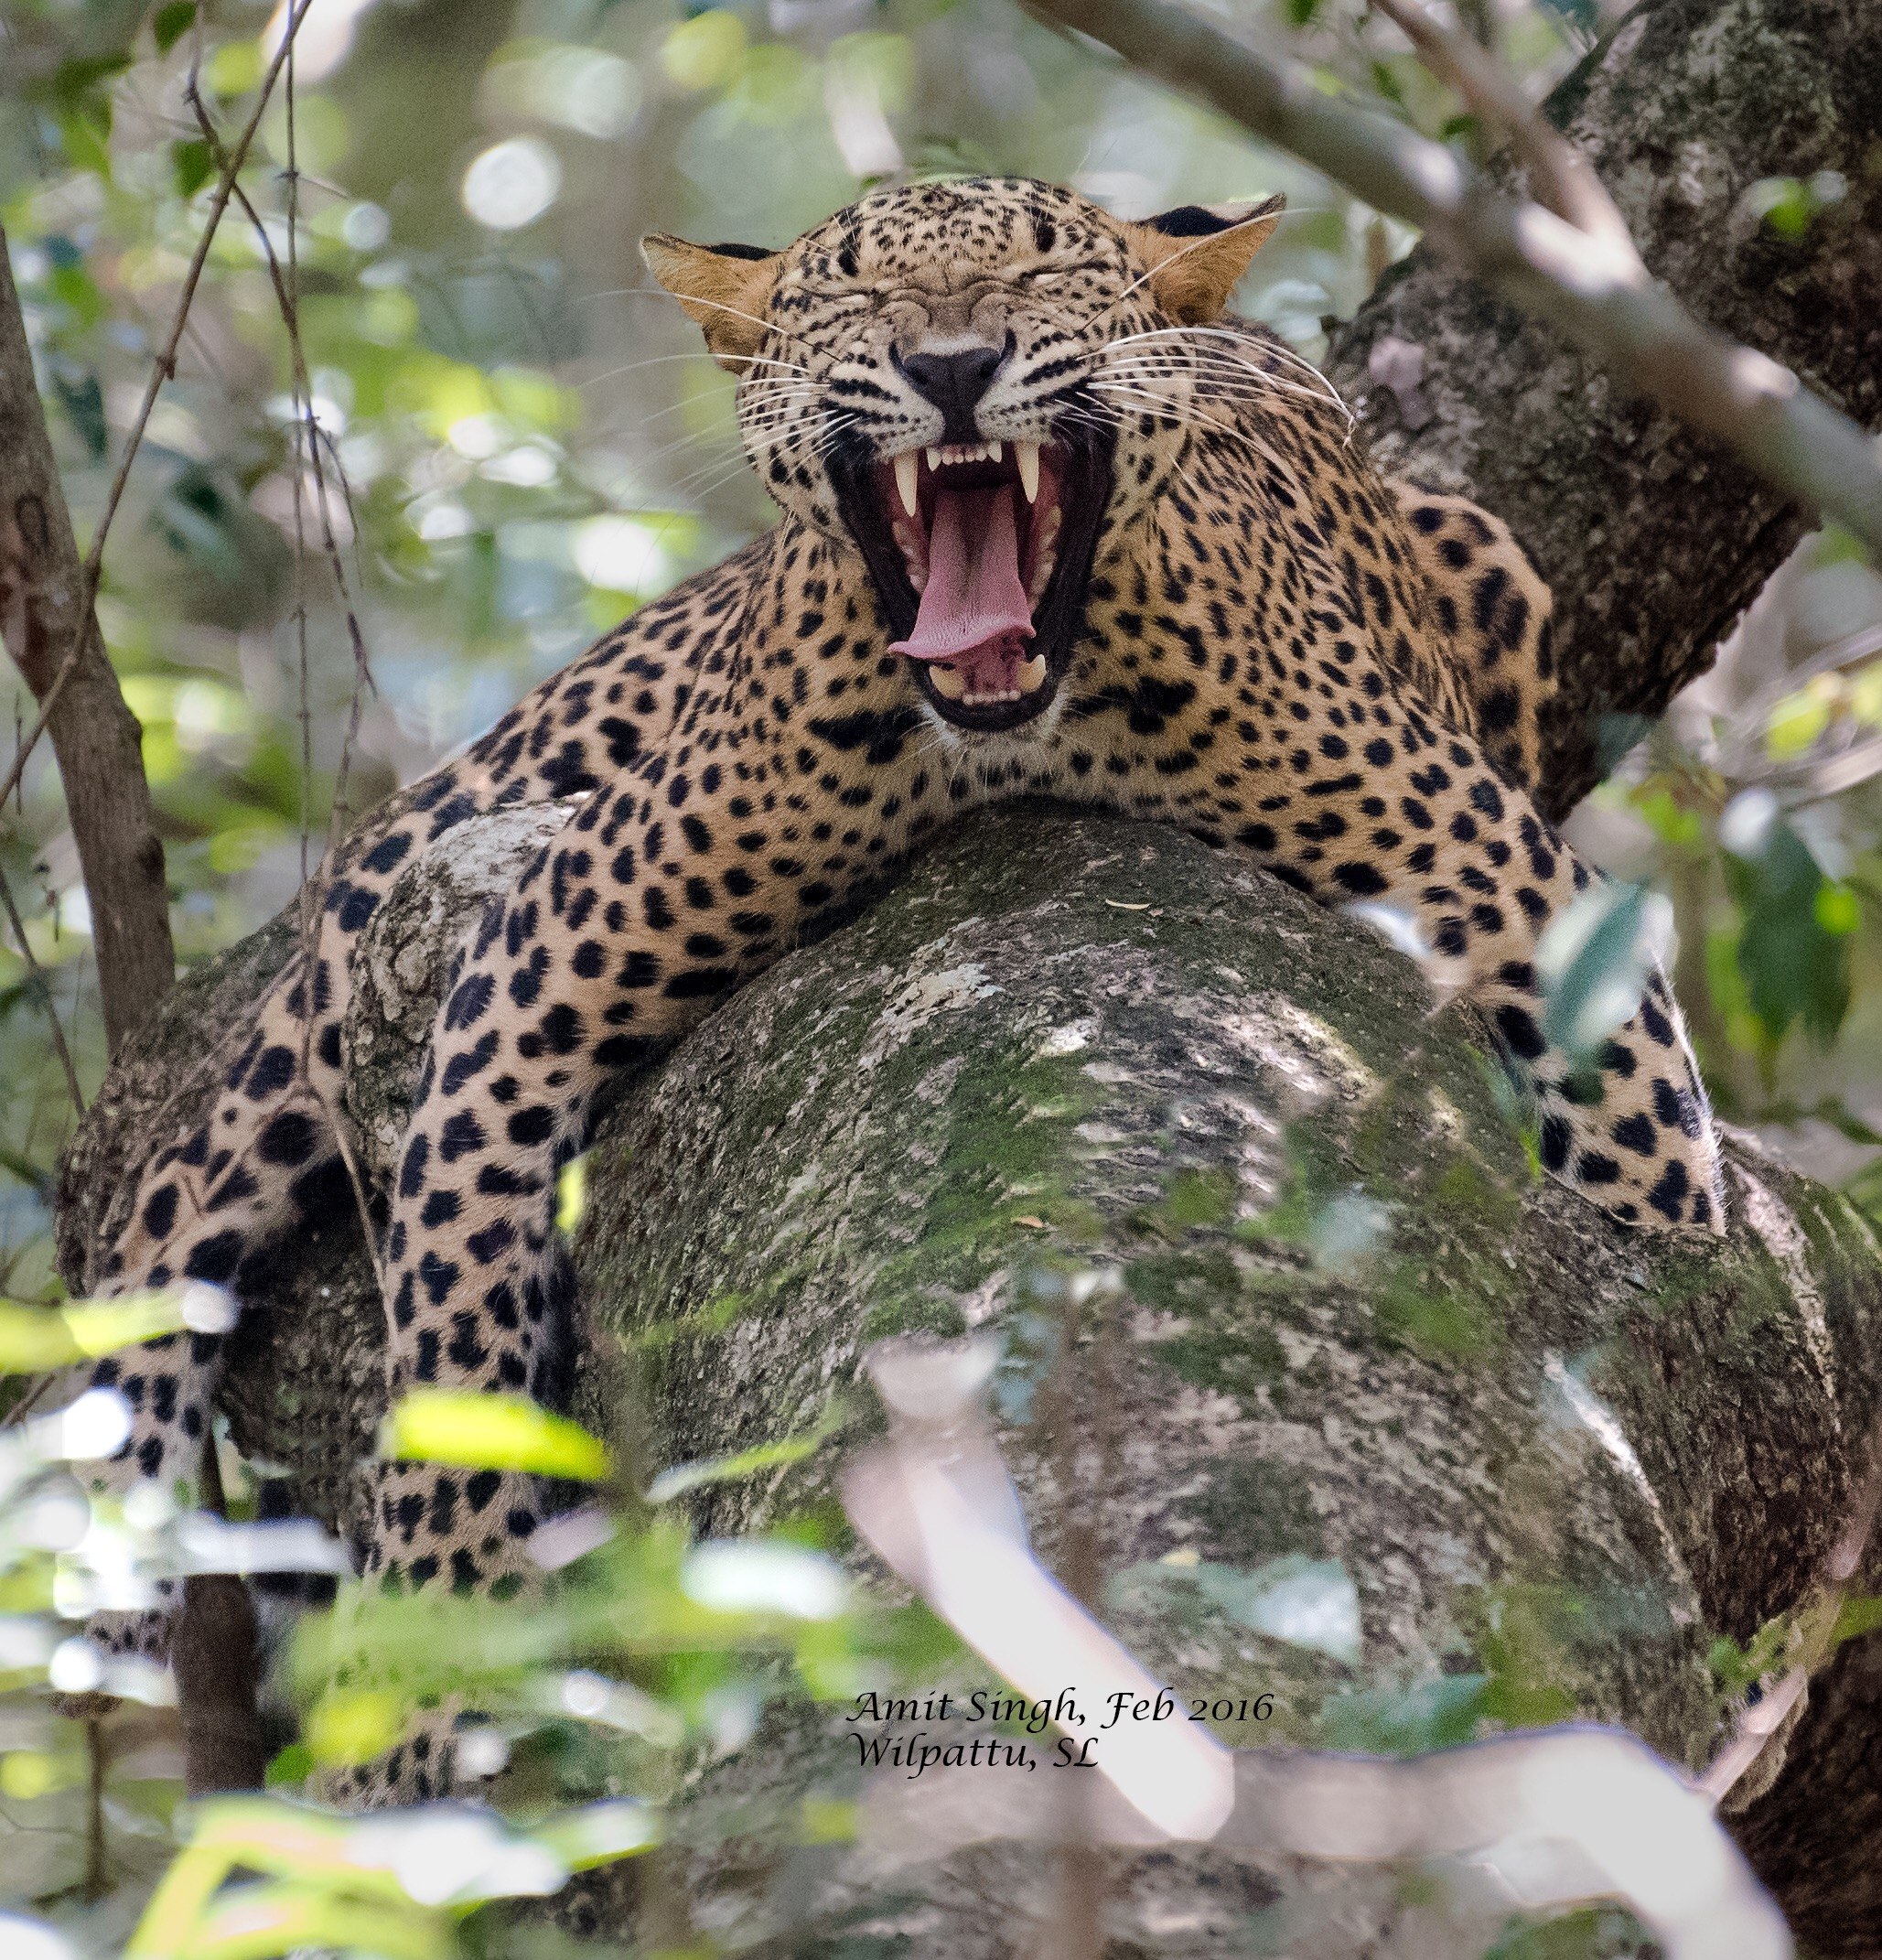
(1654, 537)
(46, 610)
(1349, 1328)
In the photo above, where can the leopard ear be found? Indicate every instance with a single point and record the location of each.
(721, 288)
(1196, 253)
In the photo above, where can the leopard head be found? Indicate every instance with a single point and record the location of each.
(974, 384)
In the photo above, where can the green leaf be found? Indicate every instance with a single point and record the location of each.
(490, 1432)
(683, 1477)
(1437, 1714)
(351, 1725)
(1300, 12)
(87, 138)
(1837, 909)
(80, 78)
(1794, 723)
(597, 1834)
(1306, 1603)
(571, 1194)
(1794, 965)
(82, 400)
(172, 23)
(35, 1338)
(191, 163)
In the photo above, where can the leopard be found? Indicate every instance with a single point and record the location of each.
(1053, 522)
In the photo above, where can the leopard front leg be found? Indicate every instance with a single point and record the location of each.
(1397, 811)
(592, 962)
(212, 1207)
(1352, 792)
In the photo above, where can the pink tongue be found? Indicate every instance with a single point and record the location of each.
(974, 611)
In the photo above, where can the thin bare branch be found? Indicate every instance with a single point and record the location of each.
(162, 368)
(43, 987)
(1560, 177)
(1592, 290)
(308, 434)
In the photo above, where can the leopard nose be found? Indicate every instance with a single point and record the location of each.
(955, 382)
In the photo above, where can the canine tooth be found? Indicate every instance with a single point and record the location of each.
(993, 450)
(1027, 454)
(1030, 674)
(934, 459)
(908, 481)
(947, 681)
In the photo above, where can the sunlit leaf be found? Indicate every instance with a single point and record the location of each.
(599, 1833)
(1794, 725)
(33, 1339)
(1837, 909)
(704, 52)
(353, 1727)
(492, 1432)
(572, 1194)
(753, 1575)
(1788, 204)
(1858, 1617)
(683, 1477)
(234, 67)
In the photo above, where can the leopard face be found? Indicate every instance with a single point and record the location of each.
(980, 387)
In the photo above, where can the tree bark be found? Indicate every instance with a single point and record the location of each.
(95, 736)
(1351, 1329)
(1653, 538)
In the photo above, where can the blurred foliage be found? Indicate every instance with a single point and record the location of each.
(512, 440)
(648, 1654)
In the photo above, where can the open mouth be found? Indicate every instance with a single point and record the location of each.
(981, 553)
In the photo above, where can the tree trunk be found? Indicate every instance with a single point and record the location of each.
(97, 739)
(1551, 1461)
(1654, 539)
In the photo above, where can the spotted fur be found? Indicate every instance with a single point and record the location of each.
(1274, 650)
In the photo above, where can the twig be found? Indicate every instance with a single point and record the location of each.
(287, 284)
(43, 987)
(1595, 293)
(214, 1655)
(96, 1881)
(1560, 177)
(162, 368)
